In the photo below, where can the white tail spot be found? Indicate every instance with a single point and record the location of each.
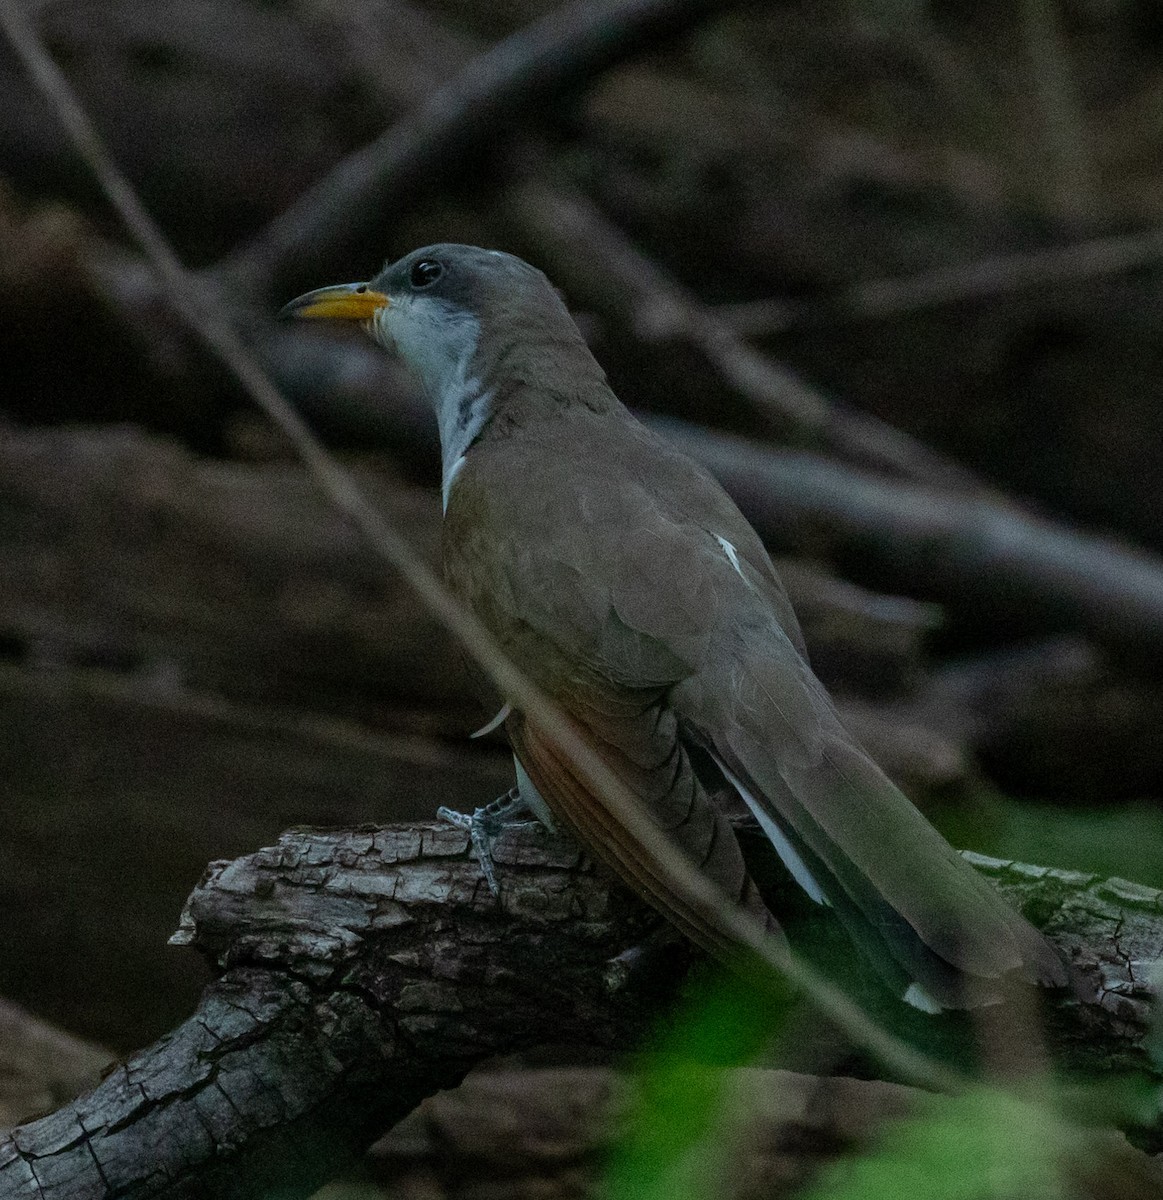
(920, 999)
(732, 555)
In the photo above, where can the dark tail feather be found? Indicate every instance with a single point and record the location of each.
(905, 895)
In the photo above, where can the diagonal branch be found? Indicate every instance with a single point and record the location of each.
(594, 259)
(979, 279)
(971, 551)
(977, 554)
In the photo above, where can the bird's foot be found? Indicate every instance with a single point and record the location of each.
(482, 827)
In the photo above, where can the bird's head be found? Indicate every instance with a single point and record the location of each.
(443, 307)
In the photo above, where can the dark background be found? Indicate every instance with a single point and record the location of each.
(196, 653)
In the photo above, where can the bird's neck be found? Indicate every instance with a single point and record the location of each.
(445, 363)
(462, 411)
(505, 384)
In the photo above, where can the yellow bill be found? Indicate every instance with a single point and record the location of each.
(341, 302)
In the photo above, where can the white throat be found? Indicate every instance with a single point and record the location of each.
(439, 345)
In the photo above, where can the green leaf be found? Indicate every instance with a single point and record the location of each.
(678, 1143)
(985, 1145)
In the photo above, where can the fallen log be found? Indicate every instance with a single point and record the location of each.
(362, 970)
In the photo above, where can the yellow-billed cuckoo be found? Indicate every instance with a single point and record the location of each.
(619, 575)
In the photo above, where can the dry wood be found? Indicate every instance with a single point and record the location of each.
(1050, 717)
(363, 970)
(984, 278)
(275, 102)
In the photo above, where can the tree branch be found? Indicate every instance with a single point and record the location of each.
(98, 567)
(597, 263)
(453, 126)
(975, 553)
(1109, 590)
(965, 282)
(362, 970)
(972, 552)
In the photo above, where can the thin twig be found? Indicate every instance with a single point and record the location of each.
(982, 279)
(767, 956)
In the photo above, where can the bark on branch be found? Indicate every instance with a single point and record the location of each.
(363, 970)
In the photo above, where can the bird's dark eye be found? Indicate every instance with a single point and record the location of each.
(426, 272)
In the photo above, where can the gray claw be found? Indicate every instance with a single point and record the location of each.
(482, 826)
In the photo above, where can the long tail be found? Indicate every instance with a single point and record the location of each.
(939, 931)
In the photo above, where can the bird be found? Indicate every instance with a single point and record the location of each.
(621, 578)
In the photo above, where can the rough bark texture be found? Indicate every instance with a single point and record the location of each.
(363, 970)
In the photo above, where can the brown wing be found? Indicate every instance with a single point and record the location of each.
(555, 568)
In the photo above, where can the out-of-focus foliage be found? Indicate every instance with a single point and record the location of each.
(693, 1128)
(679, 1143)
(1123, 840)
(986, 1145)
